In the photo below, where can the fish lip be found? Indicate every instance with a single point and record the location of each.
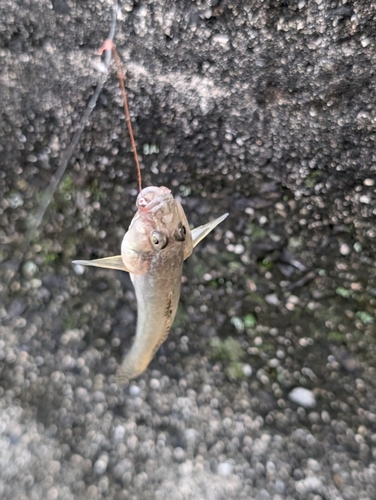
(150, 198)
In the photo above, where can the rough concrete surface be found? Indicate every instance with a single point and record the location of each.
(265, 388)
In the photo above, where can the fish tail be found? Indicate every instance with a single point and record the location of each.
(131, 368)
(125, 373)
(123, 376)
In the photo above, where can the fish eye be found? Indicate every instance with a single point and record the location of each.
(159, 240)
(180, 232)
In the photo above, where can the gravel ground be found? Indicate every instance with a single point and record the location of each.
(266, 386)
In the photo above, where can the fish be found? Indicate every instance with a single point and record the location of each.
(153, 250)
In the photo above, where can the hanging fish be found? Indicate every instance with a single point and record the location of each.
(152, 251)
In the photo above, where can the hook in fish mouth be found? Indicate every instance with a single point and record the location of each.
(152, 196)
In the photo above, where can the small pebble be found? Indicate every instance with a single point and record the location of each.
(238, 249)
(15, 200)
(369, 182)
(344, 249)
(273, 363)
(119, 433)
(272, 299)
(224, 469)
(365, 199)
(365, 42)
(154, 384)
(52, 494)
(122, 467)
(78, 269)
(308, 485)
(313, 465)
(220, 39)
(35, 283)
(325, 417)
(263, 220)
(247, 370)
(357, 247)
(29, 269)
(179, 454)
(280, 486)
(302, 397)
(313, 112)
(100, 465)
(134, 390)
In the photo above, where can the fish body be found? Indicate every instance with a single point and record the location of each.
(158, 293)
(159, 233)
(153, 251)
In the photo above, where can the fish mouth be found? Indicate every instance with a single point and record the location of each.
(150, 198)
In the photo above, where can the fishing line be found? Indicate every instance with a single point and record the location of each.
(15, 263)
(56, 178)
(109, 45)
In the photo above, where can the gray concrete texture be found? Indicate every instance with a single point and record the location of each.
(266, 386)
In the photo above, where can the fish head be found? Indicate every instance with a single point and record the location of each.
(160, 225)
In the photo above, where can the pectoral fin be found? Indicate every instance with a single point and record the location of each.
(199, 233)
(115, 262)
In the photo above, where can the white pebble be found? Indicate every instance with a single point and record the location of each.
(369, 182)
(247, 370)
(35, 283)
(365, 199)
(308, 485)
(134, 390)
(263, 220)
(179, 454)
(154, 384)
(272, 299)
(15, 200)
(325, 417)
(100, 465)
(302, 397)
(273, 363)
(221, 40)
(344, 249)
(52, 494)
(78, 269)
(119, 433)
(224, 469)
(29, 269)
(239, 249)
(313, 465)
(313, 112)
(293, 299)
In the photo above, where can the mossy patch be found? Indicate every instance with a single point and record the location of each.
(67, 187)
(254, 232)
(231, 353)
(365, 317)
(226, 350)
(313, 178)
(234, 371)
(250, 321)
(343, 292)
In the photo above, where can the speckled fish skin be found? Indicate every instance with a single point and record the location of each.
(153, 251)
